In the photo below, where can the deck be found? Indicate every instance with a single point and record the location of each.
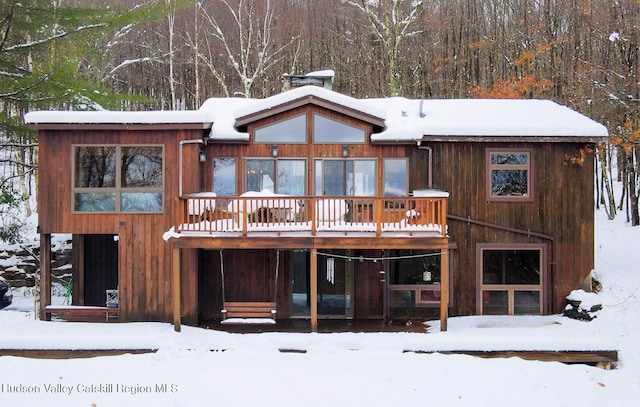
(259, 215)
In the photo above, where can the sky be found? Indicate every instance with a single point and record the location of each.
(208, 367)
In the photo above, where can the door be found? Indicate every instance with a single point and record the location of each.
(335, 285)
(100, 268)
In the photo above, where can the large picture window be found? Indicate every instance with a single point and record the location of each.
(510, 280)
(345, 177)
(281, 176)
(509, 175)
(118, 178)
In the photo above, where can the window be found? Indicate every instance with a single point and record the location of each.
(395, 177)
(293, 130)
(224, 176)
(281, 176)
(345, 177)
(118, 178)
(329, 131)
(414, 278)
(509, 175)
(511, 281)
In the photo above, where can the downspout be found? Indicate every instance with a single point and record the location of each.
(528, 233)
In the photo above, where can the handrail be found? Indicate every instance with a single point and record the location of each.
(313, 214)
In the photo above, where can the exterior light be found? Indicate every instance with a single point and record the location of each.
(202, 156)
(345, 150)
(274, 150)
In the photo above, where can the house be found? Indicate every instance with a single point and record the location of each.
(314, 205)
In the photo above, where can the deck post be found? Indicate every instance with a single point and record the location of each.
(444, 289)
(314, 290)
(175, 296)
(45, 275)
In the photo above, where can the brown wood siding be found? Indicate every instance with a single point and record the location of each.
(249, 275)
(144, 257)
(562, 208)
(368, 300)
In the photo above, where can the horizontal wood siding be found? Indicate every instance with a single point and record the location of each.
(562, 208)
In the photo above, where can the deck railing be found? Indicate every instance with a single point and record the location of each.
(202, 213)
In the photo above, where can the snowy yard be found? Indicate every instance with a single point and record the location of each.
(204, 367)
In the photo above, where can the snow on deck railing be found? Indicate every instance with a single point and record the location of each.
(268, 212)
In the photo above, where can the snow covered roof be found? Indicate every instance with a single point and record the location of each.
(409, 119)
(117, 117)
(405, 120)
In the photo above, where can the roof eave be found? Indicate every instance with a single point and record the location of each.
(119, 126)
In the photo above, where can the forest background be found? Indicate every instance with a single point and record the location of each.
(173, 54)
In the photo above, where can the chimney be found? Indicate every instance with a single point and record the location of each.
(318, 78)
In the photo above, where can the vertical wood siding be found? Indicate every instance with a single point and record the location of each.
(562, 208)
(144, 257)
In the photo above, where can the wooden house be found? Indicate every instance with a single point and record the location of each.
(314, 205)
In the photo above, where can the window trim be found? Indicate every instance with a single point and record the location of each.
(529, 167)
(275, 160)
(279, 121)
(312, 129)
(512, 288)
(118, 190)
(385, 160)
(375, 162)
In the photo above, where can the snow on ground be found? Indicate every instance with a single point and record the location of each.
(205, 367)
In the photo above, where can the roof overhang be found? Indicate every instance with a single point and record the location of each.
(114, 120)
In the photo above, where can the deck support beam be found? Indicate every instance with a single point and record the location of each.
(45, 275)
(176, 289)
(444, 289)
(314, 290)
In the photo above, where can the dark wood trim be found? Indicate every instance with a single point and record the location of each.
(297, 242)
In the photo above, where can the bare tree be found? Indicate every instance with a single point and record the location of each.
(392, 22)
(248, 45)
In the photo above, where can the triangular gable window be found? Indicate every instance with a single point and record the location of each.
(331, 131)
(291, 130)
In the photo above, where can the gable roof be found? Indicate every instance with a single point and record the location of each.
(395, 120)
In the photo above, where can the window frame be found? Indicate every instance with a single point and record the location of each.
(528, 167)
(303, 115)
(314, 139)
(385, 190)
(215, 179)
(320, 175)
(511, 289)
(425, 295)
(275, 160)
(117, 190)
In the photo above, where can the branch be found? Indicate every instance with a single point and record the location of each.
(53, 37)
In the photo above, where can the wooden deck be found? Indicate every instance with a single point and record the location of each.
(247, 215)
